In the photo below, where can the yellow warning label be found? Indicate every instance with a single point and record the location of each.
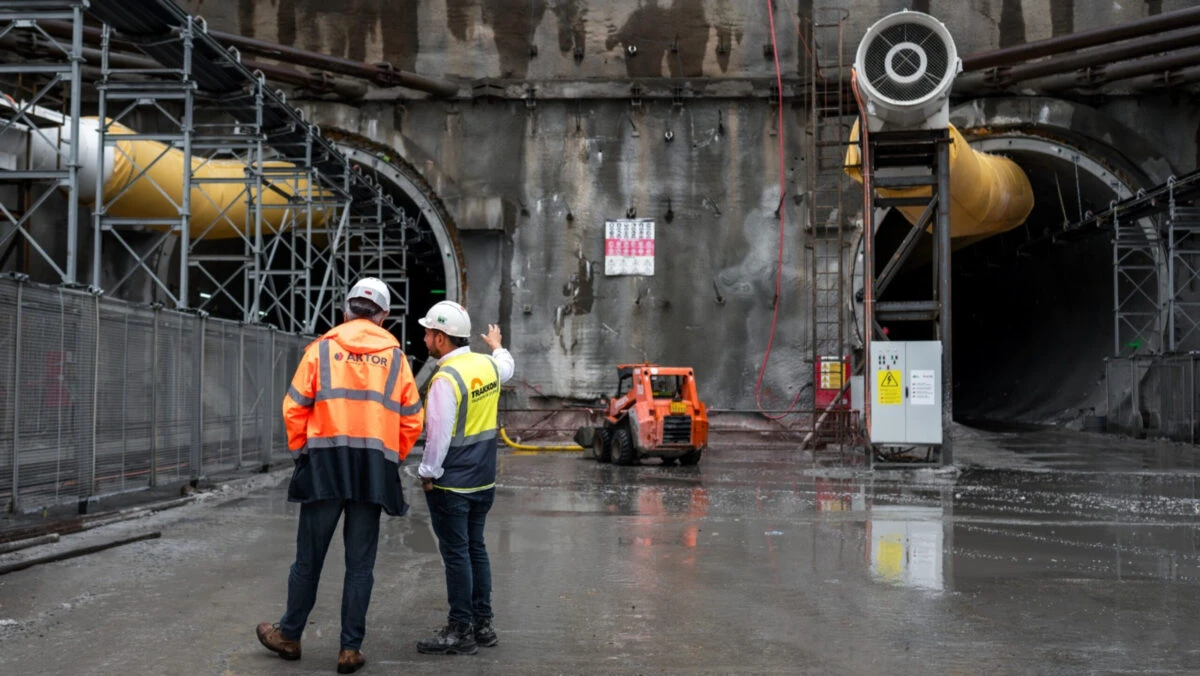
(831, 375)
(889, 388)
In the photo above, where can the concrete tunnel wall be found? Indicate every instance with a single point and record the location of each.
(510, 175)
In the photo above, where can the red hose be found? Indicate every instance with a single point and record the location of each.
(779, 262)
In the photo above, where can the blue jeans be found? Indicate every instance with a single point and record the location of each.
(458, 520)
(318, 521)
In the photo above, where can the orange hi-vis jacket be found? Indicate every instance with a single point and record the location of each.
(352, 415)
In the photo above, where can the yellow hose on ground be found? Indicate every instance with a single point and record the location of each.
(530, 447)
(989, 194)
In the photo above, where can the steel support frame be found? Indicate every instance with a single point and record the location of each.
(37, 185)
(1183, 273)
(914, 158)
(372, 251)
(301, 264)
(123, 93)
(1137, 294)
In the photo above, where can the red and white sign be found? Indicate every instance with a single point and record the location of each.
(629, 247)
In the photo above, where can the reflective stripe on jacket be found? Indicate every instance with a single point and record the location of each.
(352, 415)
(470, 463)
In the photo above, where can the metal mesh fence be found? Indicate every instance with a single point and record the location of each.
(99, 397)
(1154, 396)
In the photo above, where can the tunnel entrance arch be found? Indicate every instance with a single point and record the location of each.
(435, 260)
(1033, 317)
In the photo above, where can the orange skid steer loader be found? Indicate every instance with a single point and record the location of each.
(656, 413)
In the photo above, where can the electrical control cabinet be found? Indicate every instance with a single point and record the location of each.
(906, 392)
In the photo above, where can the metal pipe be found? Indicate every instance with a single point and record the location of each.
(73, 553)
(1169, 78)
(1090, 38)
(1154, 44)
(75, 106)
(383, 74)
(945, 321)
(1103, 74)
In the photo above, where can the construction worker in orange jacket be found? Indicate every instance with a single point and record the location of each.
(352, 414)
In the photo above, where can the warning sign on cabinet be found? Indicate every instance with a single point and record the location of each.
(889, 388)
(922, 389)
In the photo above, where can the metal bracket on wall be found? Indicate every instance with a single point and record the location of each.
(635, 95)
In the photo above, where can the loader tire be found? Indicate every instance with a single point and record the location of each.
(602, 445)
(622, 447)
(691, 457)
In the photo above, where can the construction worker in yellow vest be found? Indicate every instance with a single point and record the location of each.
(458, 470)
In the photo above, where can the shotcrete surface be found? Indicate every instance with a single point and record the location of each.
(1044, 551)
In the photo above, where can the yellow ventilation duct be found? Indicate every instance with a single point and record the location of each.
(143, 179)
(989, 194)
(146, 181)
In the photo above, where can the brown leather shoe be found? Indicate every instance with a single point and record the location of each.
(350, 661)
(270, 636)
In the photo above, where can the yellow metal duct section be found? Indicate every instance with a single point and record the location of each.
(989, 194)
(145, 180)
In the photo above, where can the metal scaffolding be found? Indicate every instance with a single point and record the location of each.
(40, 81)
(300, 247)
(1183, 310)
(1137, 311)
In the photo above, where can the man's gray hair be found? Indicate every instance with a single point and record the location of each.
(361, 308)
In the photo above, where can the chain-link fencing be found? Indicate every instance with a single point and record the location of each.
(1154, 396)
(100, 397)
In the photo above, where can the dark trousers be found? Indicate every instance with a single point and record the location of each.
(360, 533)
(458, 520)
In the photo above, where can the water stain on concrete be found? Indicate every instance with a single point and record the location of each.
(345, 29)
(677, 35)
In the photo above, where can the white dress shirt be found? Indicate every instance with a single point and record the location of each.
(441, 412)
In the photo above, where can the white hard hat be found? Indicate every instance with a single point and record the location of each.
(374, 290)
(448, 317)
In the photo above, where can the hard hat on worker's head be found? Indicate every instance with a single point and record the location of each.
(448, 317)
(372, 289)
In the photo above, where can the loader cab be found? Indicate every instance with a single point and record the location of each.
(624, 381)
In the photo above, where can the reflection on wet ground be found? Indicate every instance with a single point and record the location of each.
(752, 562)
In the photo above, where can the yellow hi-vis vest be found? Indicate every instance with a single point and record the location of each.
(470, 463)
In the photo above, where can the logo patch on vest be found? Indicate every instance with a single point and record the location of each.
(372, 359)
(482, 390)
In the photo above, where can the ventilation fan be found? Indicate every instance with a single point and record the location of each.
(906, 63)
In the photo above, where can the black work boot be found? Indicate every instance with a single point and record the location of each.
(485, 633)
(456, 638)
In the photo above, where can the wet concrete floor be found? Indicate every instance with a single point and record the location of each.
(753, 562)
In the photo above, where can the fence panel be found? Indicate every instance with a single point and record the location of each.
(125, 387)
(99, 396)
(9, 318)
(1154, 395)
(1176, 403)
(56, 376)
(220, 415)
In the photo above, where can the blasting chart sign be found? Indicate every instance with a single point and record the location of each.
(629, 247)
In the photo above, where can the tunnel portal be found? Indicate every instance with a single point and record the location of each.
(1033, 313)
